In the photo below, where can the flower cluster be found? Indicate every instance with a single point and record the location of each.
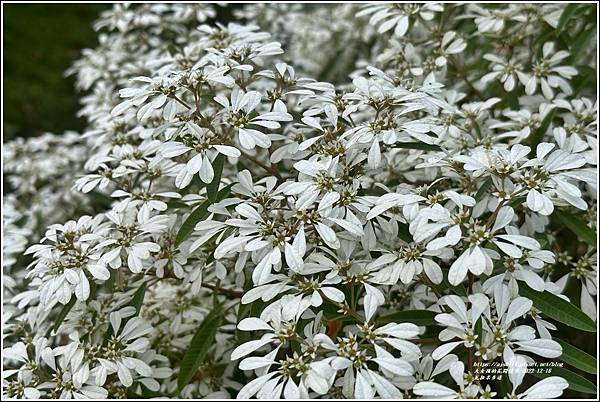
(340, 201)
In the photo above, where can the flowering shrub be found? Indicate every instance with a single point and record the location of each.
(346, 201)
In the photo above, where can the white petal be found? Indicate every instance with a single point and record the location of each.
(253, 324)
(551, 387)
(82, 290)
(504, 217)
(333, 294)
(250, 389)
(395, 366)
(523, 241)
(543, 347)
(429, 388)
(444, 349)
(374, 157)
(253, 363)
(458, 270)
(362, 388)
(518, 307)
(229, 245)
(249, 347)
(291, 390)
(372, 300)
(328, 235)
(293, 259)
(228, 150)
(517, 366)
(206, 171)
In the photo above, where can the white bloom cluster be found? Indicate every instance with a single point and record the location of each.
(340, 201)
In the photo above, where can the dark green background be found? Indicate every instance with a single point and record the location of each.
(40, 43)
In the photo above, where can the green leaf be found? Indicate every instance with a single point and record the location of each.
(504, 385)
(213, 187)
(100, 199)
(62, 315)
(329, 66)
(196, 352)
(538, 135)
(558, 309)
(482, 190)
(248, 310)
(565, 17)
(579, 43)
(510, 99)
(198, 214)
(404, 233)
(418, 317)
(517, 201)
(577, 357)
(479, 328)
(417, 145)
(576, 226)
(138, 298)
(585, 79)
(576, 382)
(176, 204)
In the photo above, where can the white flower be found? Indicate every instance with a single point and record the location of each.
(398, 17)
(505, 71)
(405, 264)
(477, 259)
(161, 89)
(460, 323)
(279, 320)
(131, 228)
(129, 338)
(548, 73)
(200, 141)
(550, 387)
(450, 44)
(237, 114)
(522, 122)
(434, 390)
(556, 171)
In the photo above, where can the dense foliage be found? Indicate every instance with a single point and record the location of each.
(347, 201)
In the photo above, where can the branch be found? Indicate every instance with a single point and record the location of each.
(228, 292)
(267, 168)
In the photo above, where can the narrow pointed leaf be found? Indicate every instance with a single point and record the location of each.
(417, 145)
(203, 339)
(577, 357)
(576, 382)
(576, 226)
(483, 189)
(558, 309)
(198, 214)
(213, 187)
(565, 17)
(138, 298)
(63, 314)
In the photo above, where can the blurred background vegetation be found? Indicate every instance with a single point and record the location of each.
(40, 43)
